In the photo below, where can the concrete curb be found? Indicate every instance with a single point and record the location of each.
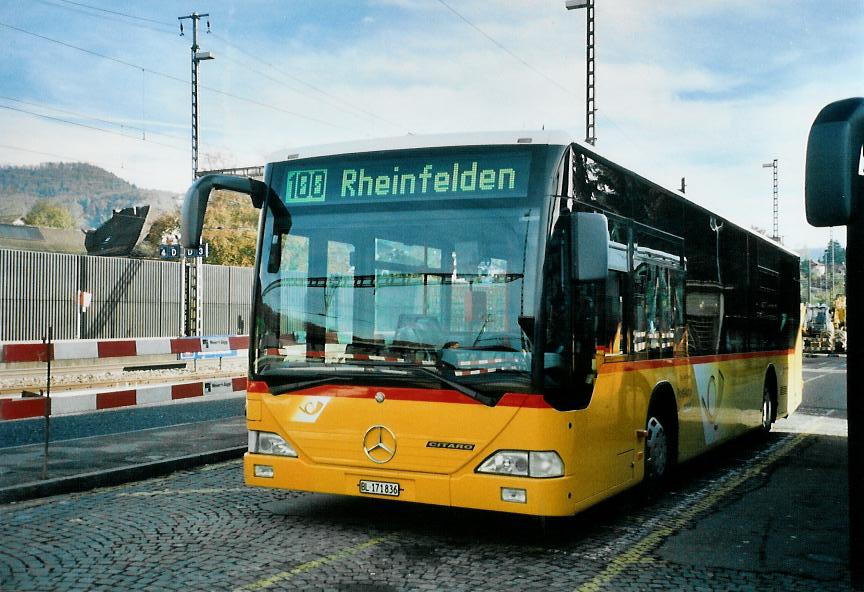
(87, 481)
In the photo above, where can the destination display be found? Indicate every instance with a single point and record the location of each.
(410, 179)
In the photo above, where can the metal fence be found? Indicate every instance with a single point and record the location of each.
(131, 297)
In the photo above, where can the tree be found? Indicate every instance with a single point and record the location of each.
(839, 254)
(166, 224)
(49, 214)
(231, 229)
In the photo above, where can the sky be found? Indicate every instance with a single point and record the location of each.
(708, 90)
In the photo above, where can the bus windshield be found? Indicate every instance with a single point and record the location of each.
(406, 293)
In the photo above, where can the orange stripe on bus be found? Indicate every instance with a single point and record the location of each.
(610, 367)
(532, 401)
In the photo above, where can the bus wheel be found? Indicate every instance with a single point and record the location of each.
(656, 448)
(767, 408)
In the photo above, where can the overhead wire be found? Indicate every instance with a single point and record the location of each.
(92, 118)
(503, 48)
(513, 55)
(106, 17)
(19, 148)
(356, 112)
(175, 78)
(116, 12)
(92, 127)
(299, 80)
(334, 100)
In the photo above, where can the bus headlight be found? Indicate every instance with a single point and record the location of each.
(524, 463)
(545, 463)
(270, 443)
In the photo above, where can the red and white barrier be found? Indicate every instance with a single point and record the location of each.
(71, 402)
(80, 349)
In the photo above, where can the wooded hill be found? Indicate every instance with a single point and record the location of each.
(89, 192)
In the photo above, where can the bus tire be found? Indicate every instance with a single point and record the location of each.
(769, 409)
(659, 441)
(769, 401)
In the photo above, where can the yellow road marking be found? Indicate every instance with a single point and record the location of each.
(310, 565)
(636, 554)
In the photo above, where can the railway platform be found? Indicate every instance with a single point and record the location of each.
(84, 463)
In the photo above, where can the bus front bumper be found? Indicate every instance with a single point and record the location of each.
(539, 497)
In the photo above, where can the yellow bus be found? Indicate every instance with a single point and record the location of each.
(507, 321)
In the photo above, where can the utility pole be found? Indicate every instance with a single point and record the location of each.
(773, 165)
(192, 270)
(197, 56)
(830, 261)
(590, 86)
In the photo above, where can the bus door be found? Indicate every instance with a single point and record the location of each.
(585, 325)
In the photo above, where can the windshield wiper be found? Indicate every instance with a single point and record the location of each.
(295, 386)
(356, 372)
(465, 390)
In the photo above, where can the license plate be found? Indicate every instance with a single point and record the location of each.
(379, 488)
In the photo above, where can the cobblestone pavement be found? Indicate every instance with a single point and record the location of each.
(204, 530)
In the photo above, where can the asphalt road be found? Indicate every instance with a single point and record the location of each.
(762, 513)
(825, 386)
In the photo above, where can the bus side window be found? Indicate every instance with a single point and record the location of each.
(658, 312)
(665, 326)
(613, 314)
(640, 319)
(680, 337)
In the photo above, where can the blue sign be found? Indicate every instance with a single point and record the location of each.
(229, 353)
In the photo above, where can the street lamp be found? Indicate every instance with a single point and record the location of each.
(590, 104)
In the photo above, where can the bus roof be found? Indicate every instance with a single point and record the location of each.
(592, 151)
(550, 137)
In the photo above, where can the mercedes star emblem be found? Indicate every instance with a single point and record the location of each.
(379, 444)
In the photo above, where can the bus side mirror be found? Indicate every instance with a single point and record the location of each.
(833, 179)
(589, 246)
(195, 202)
